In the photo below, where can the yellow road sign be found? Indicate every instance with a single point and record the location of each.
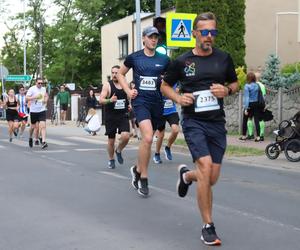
(179, 30)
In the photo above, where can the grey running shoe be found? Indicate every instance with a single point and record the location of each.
(111, 164)
(182, 187)
(209, 235)
(143, 187)
(119, 157)
(10, 139)
(135, 176)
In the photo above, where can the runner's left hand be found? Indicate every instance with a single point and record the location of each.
(219, 90)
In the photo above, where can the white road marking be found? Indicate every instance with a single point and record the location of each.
(59, 142)
(89, 149)
(83, 139)
(113, 174)
(219, 207)
(16, 142)
(58, 161)
(47, 151)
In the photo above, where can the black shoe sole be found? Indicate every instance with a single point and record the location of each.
(214, 243)
(143, 194)
(133, 176)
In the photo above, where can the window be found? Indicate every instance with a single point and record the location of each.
(123, 46)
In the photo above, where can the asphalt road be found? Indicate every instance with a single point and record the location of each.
(66, 198)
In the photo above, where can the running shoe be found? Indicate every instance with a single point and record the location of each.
(10, 139)
(182, 187)
(168, 153)
(143, 187)
(111, 164)
(36, 143)
(41, 140)
(157, 159)
(119, 157)
(135, 176)
(209, 235)
(30, 142)
(16, 132)
(44, 145)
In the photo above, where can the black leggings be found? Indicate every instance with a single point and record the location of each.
(253, 111)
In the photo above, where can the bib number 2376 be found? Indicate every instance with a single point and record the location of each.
(205, 101)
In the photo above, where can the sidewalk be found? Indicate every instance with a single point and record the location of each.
(258, 161)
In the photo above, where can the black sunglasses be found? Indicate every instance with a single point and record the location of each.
(205, 32)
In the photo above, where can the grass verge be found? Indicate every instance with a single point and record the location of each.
(232, 150)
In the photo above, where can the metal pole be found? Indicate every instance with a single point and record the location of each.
(157, 8)
(138, 24)
(2, 79)
(41, 49)
(24, 23)
(241, 113)
(279, 105)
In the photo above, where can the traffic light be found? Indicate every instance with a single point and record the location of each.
(160, 24)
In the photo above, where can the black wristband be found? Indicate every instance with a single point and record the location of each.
(229, 90)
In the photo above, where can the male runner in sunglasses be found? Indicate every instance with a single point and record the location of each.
(207, 75)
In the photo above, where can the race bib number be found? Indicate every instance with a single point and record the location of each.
(168, 104)
(148, 83)
(205, 101)
(120, 104)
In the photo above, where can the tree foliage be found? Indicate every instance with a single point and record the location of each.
(231, 24)
(271, 74)
(72, 44)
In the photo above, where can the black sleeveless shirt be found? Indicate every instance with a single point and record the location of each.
(116, 108)
(12, 104)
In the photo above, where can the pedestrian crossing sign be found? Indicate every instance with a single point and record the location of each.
(179, 30)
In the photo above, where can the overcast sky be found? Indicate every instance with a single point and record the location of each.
(13, 7)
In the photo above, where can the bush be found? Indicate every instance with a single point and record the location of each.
(292, 68)
(241, 75)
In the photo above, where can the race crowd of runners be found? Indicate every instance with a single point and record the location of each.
(197, 80)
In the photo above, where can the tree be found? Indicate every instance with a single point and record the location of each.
(72, 44)
(271, 74)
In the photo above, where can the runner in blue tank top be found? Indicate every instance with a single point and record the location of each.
(171, 116)
(148, 67)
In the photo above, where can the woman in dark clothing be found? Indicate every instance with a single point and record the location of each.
(11, 103)
(91, 100)
(251, 105)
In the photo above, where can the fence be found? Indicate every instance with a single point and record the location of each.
(283, 103)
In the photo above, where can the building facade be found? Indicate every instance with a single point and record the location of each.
(272, 26)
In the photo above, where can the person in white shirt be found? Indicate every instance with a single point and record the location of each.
(38, 98)
(93, 122)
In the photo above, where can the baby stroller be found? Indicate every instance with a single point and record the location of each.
(287, 140)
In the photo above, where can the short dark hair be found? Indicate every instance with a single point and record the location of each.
(203, 17)
(251, 77)
(21, 87)
(115, 67)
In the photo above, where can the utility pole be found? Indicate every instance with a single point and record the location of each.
(138, 24)
(24, 38)
(157, 8)
(41, 48)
